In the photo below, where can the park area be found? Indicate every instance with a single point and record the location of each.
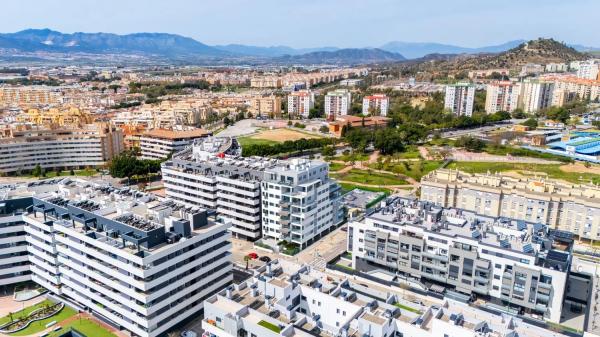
(47, 316)
(273, 136)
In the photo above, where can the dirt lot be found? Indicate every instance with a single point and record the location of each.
(579, 167)
(280, 135)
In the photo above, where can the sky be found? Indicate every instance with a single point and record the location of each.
(318, 23)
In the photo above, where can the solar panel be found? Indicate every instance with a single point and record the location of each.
(475, 234)
(557, 256)
(504, 243)
(521, 225)
(527, 248)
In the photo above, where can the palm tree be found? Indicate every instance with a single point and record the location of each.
(247, 260)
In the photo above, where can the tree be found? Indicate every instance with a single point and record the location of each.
(324, 129)
(470, 143)
(37, 171)
(247, 260)
(518, 114)
(315, 113)
(328, 151)
(596, 124)
(532, 123)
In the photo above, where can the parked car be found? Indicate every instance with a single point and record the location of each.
(265, 259)
(189, 333)
(253, 256)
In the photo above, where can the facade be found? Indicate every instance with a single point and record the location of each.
(588, 70)
(211, 174)
(300, 103)
(502, 96)
(29, 96)
(23, 147)
(159, 144)
(509, 262)
(563, 206)
(536, 95)
(266, 106)
(337, 103)
(292, 200)
(377, 103)
(284, 299)
(138, 263)
(336, 127)
(459, 99)
(300, 203)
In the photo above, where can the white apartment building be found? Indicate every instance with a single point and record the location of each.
(588, 70)
(556, 67)
(300, 103)
(337, 103)
(536, 95)
(300, 203)
(503, 261)
(159, 144)
(378, 104)
(459, 98)
(284, 299)
(212, 174)
(24, 147)
(291, 200)
(502, 96)
(138, 263)
(560, 205)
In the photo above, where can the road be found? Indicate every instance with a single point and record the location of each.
(478, 132)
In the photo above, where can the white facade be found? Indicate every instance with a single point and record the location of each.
(536, 95)
(337, 103)
(300, 202)
(588, 70)
(378, 103)
(300, 103)
(459, 99)
(140, 275)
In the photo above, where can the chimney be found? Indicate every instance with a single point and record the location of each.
(228, 292)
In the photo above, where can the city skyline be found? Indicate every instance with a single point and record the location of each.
(309, 24)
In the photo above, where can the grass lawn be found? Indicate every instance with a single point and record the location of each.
(520, 152)
(407, 308)
(411, 152)
(270, 326)
(38, 326)
(246, 141)
(25, 312)
(552, 170)
(336, 167)
(86, 327)
(347, 187)
(369, 178)
(413, 169)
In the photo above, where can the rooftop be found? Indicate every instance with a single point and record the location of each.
(172, 134)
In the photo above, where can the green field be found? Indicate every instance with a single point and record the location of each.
(246, 141)
(336, 166)
(411, 152)
(86, 327)
(553, 171)
(369, 178)
(355, 157)
(413, 169)
(38, 326)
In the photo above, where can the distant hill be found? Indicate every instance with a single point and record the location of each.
(46, 40)
(413, 50)
(343, 56)
(540, 51)
(273, 51)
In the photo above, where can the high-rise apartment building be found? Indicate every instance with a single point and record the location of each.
(136, 262)
(502, 96)
(523, 264)
(300, 203)
(376, 105)
(563, 206)
(459, 98)
(300, 103)
(536, 94)
(292, 200)
(23, 147)
(337, 103)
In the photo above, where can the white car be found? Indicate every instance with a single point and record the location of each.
(189, 333)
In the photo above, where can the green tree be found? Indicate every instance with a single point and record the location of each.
(37, 171)
(532, 123)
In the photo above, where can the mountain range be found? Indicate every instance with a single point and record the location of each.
(176, 47)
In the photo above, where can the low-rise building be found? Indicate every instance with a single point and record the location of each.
(337, 127)
(159, 144)
(560, 205)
